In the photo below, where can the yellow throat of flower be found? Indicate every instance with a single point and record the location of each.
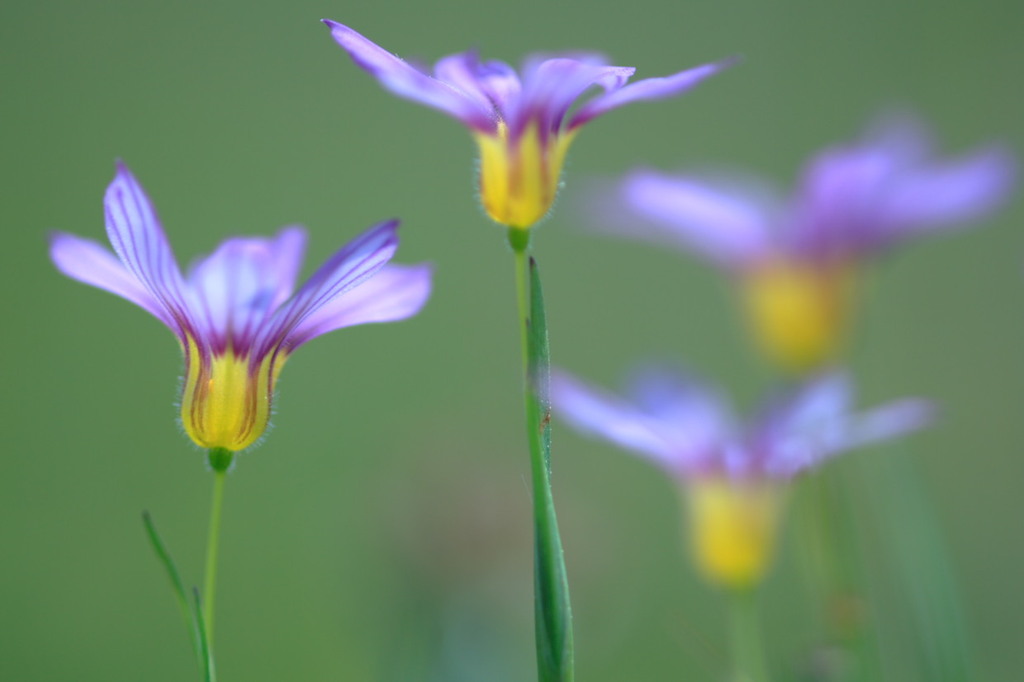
(733, 528)
(798, 312)
(226, 401)
(519, 179)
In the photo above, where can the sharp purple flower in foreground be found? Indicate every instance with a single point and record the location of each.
(734, 475)
(521, 121)
(234, 313)
(796, 258)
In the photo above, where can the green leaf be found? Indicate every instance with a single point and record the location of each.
(179, 589)
(923, 565)
(205, 652)
(553, 612)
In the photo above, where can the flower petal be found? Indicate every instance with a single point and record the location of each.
(353, 264)
(727, 225)
(140, 243)
(647, 89)
(817, 423)
(551, 87)
(238, 286)
(406, 81)
(492, 84)
(598, 413)
(943, 196)
(91, 263)
(394, 293)
(692, 414)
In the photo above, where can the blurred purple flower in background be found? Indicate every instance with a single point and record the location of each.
(234, 313)
(796, 258)
(735, 476)
(520, 122)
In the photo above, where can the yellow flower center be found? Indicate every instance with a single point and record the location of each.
(226, 401)
(519, 180)
(799, 311)
(733, 528)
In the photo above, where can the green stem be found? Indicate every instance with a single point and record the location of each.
(212, 543)
(747, 650)
(553, 616)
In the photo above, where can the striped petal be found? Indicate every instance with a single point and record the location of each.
(352, 265)
(647, 89)
(237, 288)
(94, 264)
(551, 88)
(406, 81)
(140, 243)
(394, 293)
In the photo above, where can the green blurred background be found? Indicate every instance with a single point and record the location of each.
(381, 531)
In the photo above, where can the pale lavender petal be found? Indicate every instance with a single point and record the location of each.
(801, 409)
(819, 423)
(461, 71)
(238, 286)
(647, 89)
(353, 264)
(140, 243)
(406, 81)
(947, 195)
(550, 89)
(866, 196)
(394, 293)
(91, 263)
(500, 83)
(598, 413)
(882, 423)
(691, 414)
(728, 225)
(795, 429)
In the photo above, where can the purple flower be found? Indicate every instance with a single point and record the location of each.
(687, 428)
(234, 313)
(796, 258)
(521, 122)
(735, 476)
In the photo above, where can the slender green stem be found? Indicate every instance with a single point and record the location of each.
(747, 650)
(553, 616)
(212, 543)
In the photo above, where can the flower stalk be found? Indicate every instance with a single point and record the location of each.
(553, 613)
(220, 460)
(747, 649)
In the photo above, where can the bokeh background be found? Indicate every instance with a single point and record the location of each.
(381, 530)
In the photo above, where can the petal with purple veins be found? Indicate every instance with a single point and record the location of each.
(237, 288)
(394, 293)
(91, 263)
(550, 89)
(140, 243)
(406, 81)
(647, 89)
(353, 264)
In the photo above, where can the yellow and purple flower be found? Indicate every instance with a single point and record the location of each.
(234, 313)
(796, 260)
(734, 477)
(521, 122)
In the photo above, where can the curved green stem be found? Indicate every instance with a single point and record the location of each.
(212, 543)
